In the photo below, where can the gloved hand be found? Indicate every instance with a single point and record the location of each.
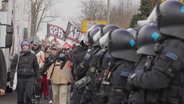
(130, 83)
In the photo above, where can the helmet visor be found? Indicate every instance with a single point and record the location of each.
(104, 41)
(97, 36)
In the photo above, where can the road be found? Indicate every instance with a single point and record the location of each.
(10, 98)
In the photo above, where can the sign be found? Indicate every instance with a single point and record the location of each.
(55, 31)
(177, 0)
(86, 24)
(72, 32)
(66, 45)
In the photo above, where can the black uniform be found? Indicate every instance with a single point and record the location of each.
(141, 95)
(119, 91)
(167, 74)
(90, 88)
(106, 66)
(78, 54)
(148, 35)
(27, 72)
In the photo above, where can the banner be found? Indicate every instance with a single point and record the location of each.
(72, 32)
(55, 31)
(67, 45)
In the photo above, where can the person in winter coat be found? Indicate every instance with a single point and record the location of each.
(60, 75)
(27, 73)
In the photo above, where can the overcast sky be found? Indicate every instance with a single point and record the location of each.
(68, 9)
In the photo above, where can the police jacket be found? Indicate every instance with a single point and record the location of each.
(3, 74)
(119, 92)
(27, 66)
(78, 71)
(166, 74)
(140, 95)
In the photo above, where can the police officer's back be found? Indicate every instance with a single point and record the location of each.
(122, 48)
(167, 72)
(147, 37)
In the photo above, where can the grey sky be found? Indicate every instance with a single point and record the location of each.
(69, 9)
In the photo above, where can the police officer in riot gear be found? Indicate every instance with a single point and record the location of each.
(91, 88)
(122, 48)
(81, 63)
(77, 56)
(96, 70)
(167, 73)
(147, 37)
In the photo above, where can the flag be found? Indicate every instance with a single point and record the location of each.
(55, 31)
(72, 32)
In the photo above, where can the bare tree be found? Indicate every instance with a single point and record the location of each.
(41, 12)
(122, 13)
(93, 10)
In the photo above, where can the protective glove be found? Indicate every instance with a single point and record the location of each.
(130, 83)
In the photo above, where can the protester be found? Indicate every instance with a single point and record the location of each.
(59, 75)
(27, 73)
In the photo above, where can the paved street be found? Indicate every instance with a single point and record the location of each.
(10, 98)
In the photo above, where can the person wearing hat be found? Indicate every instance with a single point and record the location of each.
(27, 72)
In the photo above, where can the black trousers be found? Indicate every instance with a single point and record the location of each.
(25, 90)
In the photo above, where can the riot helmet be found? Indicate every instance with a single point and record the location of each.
(81, 40)
(122, 45)
(102, 32)
(91, 35)
(108, 28)
(88, 40)
(171, 18)
(133, 31)
(148, 35)
(104, 41)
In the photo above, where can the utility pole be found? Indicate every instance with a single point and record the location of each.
(108, 11)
